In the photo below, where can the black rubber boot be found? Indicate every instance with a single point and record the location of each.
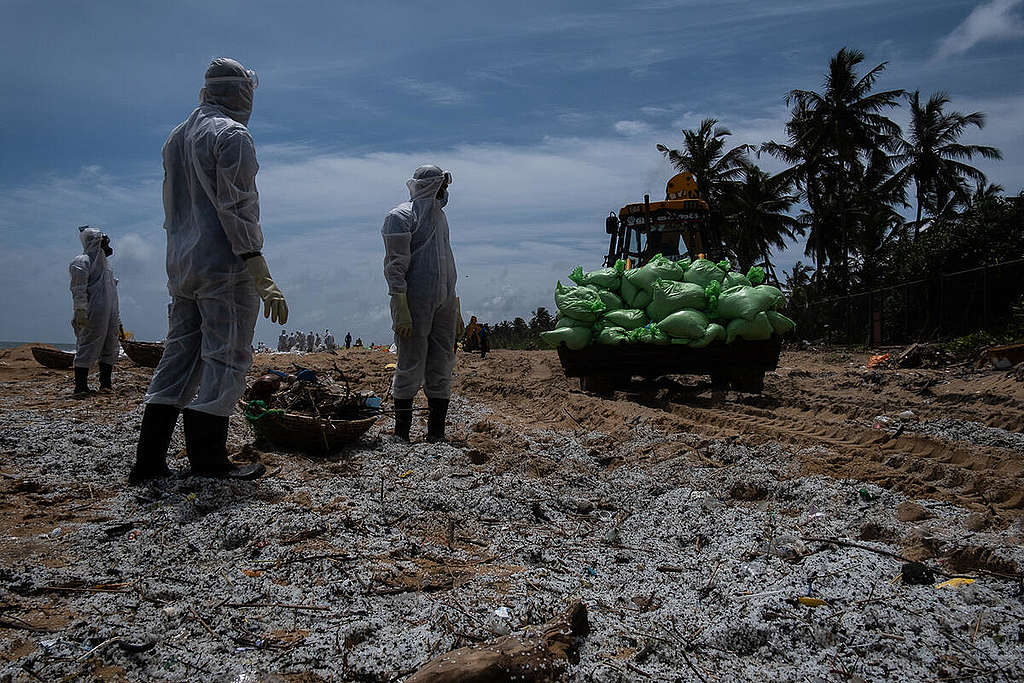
(206, 443)
(106, 375)
(154, 438)
(403, 417)
(81, 383)
(436, 419)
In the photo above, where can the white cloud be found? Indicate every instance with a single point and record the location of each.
(435, 93)
(995, 20)
(632, 127)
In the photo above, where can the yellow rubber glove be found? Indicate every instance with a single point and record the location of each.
(460, 324)
(401, 317)
(80, 321)
(274, 305)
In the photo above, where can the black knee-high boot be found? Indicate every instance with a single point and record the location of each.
(206, 443)
(436, 419)
(154, 438)
(403, 417)
(106, 375)
(81, 381)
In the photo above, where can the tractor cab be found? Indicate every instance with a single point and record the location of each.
(676, 227)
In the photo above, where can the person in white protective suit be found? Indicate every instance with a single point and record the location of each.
(216, 277)
(97, 320)
(420, 271)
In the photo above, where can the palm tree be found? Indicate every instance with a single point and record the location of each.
(830, 135)
(932, 155)
(846, 119)
(756, 214)
(704, 156)
(986, 194)
(798, 281)
(878, 223)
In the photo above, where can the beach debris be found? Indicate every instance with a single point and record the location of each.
(808, 601)
(514, 657)
(879, 360)
(917, 574)
(908, 511)
(957, 582)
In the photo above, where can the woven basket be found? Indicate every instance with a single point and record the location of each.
(310, 434)
(146, 354)
(52, 358)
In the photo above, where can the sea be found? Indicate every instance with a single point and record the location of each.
(12, 344)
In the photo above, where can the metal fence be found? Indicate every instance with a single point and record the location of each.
(950, 305)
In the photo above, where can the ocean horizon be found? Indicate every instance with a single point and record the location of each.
(60, 345)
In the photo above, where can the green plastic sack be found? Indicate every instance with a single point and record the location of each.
(711, 293)
(574, 337)
(713, 332)
(752, 330)
(580, 303)
(611, 300)
(744, 302)
(607, 278)
(755, 275)
(735, 280)
(612, 336)
(685, 324)
(780, 323)
(649, 334)
(702, 272)
(777, 297)
(667, 297)
(626, 318)
(658, 268)
(633, 296)
(564, 321)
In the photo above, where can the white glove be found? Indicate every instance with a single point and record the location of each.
(274, 305)
(460, 324)
(401, 317)
(81, 320)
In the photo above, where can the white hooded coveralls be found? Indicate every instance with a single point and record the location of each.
(212, 217)
(94, 290)
(419, 262)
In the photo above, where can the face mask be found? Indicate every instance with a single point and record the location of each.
(443, 198)
(105, 245)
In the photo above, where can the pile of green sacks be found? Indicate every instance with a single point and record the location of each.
(666, 302)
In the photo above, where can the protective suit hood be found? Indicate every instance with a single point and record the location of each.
(230, 87)
(425, 183)
(92, 246)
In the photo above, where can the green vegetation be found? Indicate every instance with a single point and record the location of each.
(852, 171)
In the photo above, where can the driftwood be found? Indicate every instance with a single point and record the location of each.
(518, 658)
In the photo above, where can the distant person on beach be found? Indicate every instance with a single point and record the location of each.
(282, 341)
(420, 271)
(484, 335)
(348, 340)
(96, 319)
(329, 341)
(216, 275)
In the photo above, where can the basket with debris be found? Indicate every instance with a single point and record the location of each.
(145, 354)
(307, 412)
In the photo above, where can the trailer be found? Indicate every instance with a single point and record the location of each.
(740, 365)
(680, 224)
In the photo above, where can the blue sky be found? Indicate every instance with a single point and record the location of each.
(547, 112)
